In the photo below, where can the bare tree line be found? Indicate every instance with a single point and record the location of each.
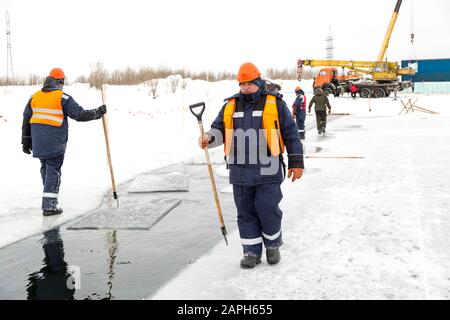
(31, 80)
(128, 76)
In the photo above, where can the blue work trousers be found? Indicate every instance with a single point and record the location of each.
(51, 179)
(259, 217)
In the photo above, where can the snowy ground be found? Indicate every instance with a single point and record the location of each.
(372, 227)
(145, 134)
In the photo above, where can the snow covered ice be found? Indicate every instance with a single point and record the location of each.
(368, 220)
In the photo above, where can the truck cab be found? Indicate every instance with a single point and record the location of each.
(328, 80)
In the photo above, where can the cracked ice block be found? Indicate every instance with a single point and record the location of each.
(133, 214)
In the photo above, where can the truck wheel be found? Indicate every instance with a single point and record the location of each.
(364, 93)
(328, 91)
(379, 93)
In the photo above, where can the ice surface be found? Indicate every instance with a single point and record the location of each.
(173, 181)
(133, 214)
(227, 189)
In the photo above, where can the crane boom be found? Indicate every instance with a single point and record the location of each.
(350, 64)
(387, 37)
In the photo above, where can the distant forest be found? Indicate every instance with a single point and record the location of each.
(128, 76)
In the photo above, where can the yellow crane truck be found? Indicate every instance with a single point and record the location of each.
(384, 75)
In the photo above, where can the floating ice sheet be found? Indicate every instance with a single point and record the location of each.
(160, 182)
(227, 189)
(133, 214)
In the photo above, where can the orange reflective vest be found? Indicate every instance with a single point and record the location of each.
(47, 108)
(270, 123)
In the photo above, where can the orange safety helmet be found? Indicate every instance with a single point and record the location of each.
(57, 73)
(298, 89)
(248, 72)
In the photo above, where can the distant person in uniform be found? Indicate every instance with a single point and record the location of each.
(299, 111)
(255, 125)
(45, 132)
(321, 102)
(53, 281)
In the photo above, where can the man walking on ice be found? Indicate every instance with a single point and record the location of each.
(256, 126)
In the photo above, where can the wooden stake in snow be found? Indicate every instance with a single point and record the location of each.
(108, 152)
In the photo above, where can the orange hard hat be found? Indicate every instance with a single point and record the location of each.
(248, 72)
(298, 88)
(57, 73)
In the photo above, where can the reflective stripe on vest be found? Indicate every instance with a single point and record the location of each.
(270, 124)
(47, 108)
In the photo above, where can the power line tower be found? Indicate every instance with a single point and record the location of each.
(9, 63)
(329, 45)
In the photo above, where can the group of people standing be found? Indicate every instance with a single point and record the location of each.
(320, 102)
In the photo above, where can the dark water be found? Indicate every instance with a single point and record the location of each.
(122, 264)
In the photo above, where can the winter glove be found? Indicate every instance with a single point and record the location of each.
(309, 110)
(100, 111)
(26, 145)
(329, 111)
(296, 173)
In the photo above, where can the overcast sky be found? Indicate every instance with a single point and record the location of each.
(212, 35)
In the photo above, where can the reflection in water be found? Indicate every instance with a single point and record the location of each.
(53, 281)
(111, 238)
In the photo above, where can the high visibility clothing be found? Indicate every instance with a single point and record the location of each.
(256, 190)
(248, 163)
(259, 216)
(270, 120)
(45, 122)
(45, 119)
(51, 179)
(47, 108)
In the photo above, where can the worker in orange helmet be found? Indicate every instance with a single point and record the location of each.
(255, 126)
(45, 133)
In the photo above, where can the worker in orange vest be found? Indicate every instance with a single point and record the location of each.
(255, 126)
(45, 133)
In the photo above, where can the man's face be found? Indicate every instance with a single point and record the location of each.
(248, 87)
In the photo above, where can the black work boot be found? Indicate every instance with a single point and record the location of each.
(52, 212)
(250, 262)
(273, 255)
